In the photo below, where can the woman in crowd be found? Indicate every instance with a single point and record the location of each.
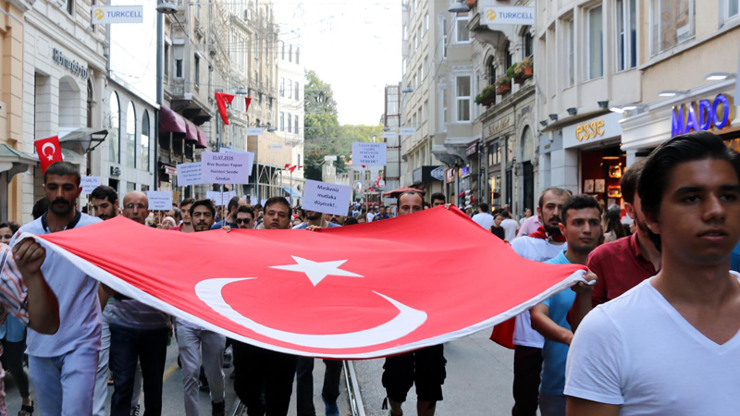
(613, 228)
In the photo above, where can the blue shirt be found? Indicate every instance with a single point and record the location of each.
(304, 225)
(735, 259)
(218, 225)
(556, 353)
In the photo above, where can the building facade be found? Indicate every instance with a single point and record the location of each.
(291, 112)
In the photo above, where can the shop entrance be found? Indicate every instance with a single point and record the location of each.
(601, 173)
(528, 186)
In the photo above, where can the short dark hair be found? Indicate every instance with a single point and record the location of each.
(105, 192)
(177, 212)
(656, 174)
(506, 214)
(187, 201)
(245, 209)
(554, 189)
(10, 224)
(63, 169)
(629, 181)
(581, 201)
(233, 203)
(205, 203)
(351, 221)
(411, 193)
(484, 207)
(258, 207)
(40, 208)
(279, 200)
(438, 196)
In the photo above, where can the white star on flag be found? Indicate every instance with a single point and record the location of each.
(50, 157)
(317, 271)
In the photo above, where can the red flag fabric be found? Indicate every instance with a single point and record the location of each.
(364, 291)
(49, 151)
(248, 101)
(292, 168)
(287, 165)
(221, 100)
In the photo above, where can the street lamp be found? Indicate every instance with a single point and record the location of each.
(166, 8)
(459, 7)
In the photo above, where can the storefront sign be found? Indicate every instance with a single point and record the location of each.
(103, 15)
(427, 174)
(498, 126)
(508, 16)
(72, 66)
(438, 173)
(465, 171)
(702, 116)
(449, 175)
(592, 130)
(472, 149)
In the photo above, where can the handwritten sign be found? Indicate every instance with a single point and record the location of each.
(89, 183)
(159, 200)
(189, 174)
(370, 154)
(225, 168)
(327, 198)
(250, 157)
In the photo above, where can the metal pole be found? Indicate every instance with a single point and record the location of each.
(160, 93)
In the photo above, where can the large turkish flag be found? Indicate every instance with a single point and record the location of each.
(362, 291)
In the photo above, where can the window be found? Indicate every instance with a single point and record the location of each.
(131, 136)
(445, 108)
(282, 50)
(367, 176)
(290, 53)
(282, 87)
(463, 98)
(144, 148)
(733, 8)
(197, 71)
(444, 37)
(403, 66)
(178, 68)
(528, 43)
(462, 33)
(416, 43)
(626, 34)
(290, 89)
(421, 73)
(671, 23)
(357, 176)
(297, 55)
(297, 91)
(115, 125)
(69, 6)
(426, 22)
(166, 60)
(405, 32)
(296, 130)
(491, 71)
(570, 72)
(595, 43)
(290, 123)
(282, 121)
(421, 33)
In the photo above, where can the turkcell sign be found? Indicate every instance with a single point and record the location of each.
(508, 16)
(103, 15)
(702, 116)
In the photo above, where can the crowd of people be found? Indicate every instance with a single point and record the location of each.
(661, 308)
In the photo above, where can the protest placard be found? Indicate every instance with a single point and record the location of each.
(250, 157)
(89, 183)
(370, 154)
(225, 168)
(326, 198)
(159, 200)
(189, 174)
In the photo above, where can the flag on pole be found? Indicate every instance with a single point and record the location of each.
(49, 151)
(364, 291)
(221, 100)
(292, 168)
(248, 101)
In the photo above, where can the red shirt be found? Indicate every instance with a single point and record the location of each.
(619, 266)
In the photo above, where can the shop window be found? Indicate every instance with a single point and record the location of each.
(463, 98)
(114, 121)
(462, 33)
(671, 23)
(131, 136)
(595, 43)
(626, 26)
(145, 139)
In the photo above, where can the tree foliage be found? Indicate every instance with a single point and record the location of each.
(323, 133)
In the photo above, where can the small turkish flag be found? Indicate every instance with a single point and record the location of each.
(326, 293)
(49, 150)
(221, 100)
(248, 101)
(287, 165)
(292, 168)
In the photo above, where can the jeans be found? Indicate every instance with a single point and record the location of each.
(149, 347)
(527, 369)
(552, 405)
(64, 385)
(261, 371)
(190, 342)
(304, 388)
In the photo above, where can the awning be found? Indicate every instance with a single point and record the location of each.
(292, 193)
(14, 161)
(171, 122)
(87, 138)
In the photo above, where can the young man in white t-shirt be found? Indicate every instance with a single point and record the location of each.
(670, 346)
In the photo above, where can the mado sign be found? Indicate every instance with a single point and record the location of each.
(702, 116)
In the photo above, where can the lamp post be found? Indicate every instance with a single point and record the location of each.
(163, 8)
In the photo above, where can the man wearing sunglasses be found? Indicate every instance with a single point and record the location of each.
(245, 217)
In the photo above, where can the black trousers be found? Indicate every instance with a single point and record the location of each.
(263, 372)
(527, 369)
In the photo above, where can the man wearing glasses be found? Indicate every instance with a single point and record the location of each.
(245, 217)
(138, 333)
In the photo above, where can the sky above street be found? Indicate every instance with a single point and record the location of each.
(354, 45)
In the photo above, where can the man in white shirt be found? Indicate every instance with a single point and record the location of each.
(544, 244)
(63, 366)
(510, 226)
(484, 217)
(670, 346)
